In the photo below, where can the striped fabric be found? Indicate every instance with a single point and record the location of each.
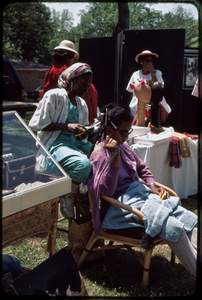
(174, 153)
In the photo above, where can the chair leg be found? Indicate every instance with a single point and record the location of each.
(172, 260)
(51, 240)
(147, 261)
(61, 219)
(48, 242)
(69, 224)
(89, 245)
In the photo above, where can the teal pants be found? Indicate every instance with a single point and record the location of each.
(73, 160)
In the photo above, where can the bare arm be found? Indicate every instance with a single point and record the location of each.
(71, 127)
(153, 74)
(56, 126)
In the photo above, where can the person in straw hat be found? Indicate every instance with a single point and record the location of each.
(64, 56)
(146, 59)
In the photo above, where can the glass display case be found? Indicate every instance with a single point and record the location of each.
(30, 174)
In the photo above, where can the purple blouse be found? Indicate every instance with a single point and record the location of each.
(110, 181)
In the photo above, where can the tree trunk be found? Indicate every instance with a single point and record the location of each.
(123, 22)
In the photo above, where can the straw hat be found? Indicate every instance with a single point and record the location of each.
(68, 45)
(147, 53)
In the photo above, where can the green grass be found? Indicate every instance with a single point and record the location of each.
(118, 274)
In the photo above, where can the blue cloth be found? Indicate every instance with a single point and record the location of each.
(117, 218)
(11, 264)
(71, 153)
(165, 218)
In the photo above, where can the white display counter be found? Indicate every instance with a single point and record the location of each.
(31, 185)
(25, 186)
(183, 180)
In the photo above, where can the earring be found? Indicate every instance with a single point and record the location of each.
(71, 86)
(106, 111)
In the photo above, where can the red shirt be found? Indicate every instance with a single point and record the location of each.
(51, 77)
(91, 96)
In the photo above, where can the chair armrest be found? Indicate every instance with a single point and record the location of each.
(131, 209)
(124, 206)
(166, 188)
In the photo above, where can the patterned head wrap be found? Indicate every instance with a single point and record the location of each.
(74, 71)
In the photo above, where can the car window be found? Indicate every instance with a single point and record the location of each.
(8, 76)
(39, 88)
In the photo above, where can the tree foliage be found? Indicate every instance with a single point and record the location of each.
(182, 18)
(26, 31)
(143, 17)
(62, 24)
(100, 19)
(31, 30)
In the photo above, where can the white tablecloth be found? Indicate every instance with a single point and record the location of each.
(183, 180)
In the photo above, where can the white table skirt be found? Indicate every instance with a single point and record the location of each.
(183, 180)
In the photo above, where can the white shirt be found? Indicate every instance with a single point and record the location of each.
(53, 108)
(134, 79)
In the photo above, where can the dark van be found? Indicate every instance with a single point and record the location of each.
(13, 89)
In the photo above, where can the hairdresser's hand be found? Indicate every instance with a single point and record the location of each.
(75, 128)
(150, 67)
(110, 144)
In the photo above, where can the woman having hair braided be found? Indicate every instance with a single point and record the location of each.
(118, 172)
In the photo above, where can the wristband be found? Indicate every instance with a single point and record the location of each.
(114, 154)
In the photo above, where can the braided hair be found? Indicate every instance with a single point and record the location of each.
(115, 114)
(110, 112)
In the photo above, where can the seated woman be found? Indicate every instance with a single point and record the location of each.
(59, 116)
(119, 173)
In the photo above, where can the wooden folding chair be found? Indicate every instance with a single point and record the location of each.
(125, 242)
